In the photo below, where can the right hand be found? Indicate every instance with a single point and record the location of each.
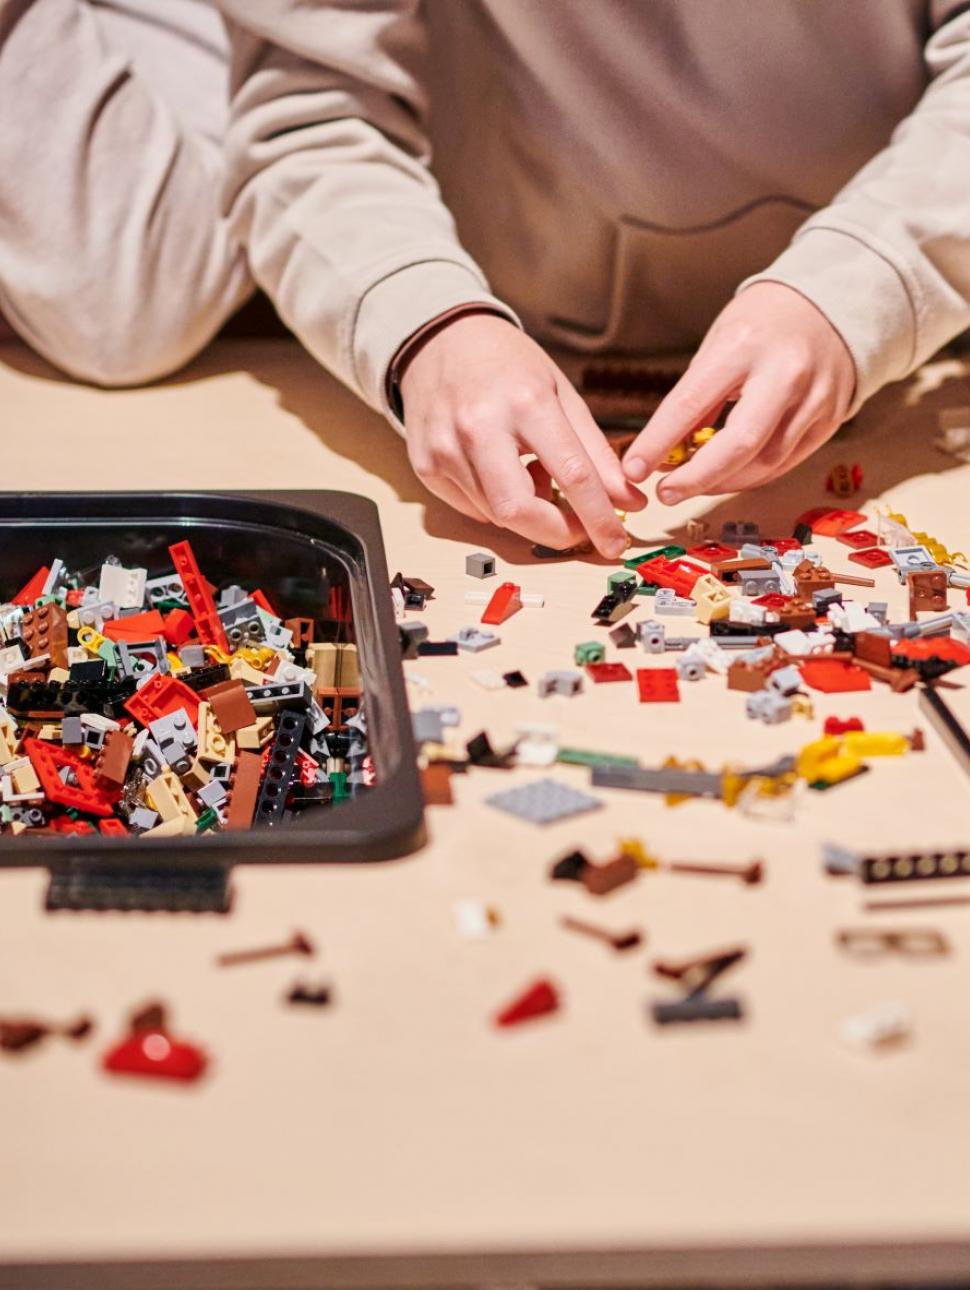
(478, 393)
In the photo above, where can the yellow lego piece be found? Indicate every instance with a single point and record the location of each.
(257, 656)
(875, 743)
(700, 437)
(674, 763)
(732, 786)
(213, 744)
(8, 738)
(712, 598)
(635, 848)
(253, 737)
(92, 640)
(677, 455)
(175, 663)
(217, 654)
(167, 796)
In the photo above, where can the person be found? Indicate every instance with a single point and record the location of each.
(115, 262)
(432, 190)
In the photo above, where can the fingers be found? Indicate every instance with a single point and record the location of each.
(693, 402)
(621, 491)
(795, 449)
(510, 495)
(751, 424)
(561, 451)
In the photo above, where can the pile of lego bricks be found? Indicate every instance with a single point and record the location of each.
(159, 706)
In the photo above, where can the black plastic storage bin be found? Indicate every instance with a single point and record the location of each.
(292, 545)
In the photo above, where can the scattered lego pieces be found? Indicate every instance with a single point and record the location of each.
(619, 941)
(480, 565)
(313, 996)
(750, 874)
(474, 919)
(696, 976)
(18, 1034)
(869, 943)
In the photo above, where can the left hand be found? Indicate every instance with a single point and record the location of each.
(792, 376)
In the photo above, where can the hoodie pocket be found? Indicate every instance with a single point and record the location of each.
(668, 285)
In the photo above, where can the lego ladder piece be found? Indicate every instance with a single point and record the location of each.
(279, 771)
(140, 887)
(946, 725)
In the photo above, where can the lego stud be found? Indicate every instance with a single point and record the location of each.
(299, 943)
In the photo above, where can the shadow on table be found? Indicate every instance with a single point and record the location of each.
(892, 440)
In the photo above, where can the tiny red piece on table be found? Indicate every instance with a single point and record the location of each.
(876, 557)
(772, 600)
(506, 601)
(539, 999)
(600, 672)
(842, 726)
(156, 1054)
(658, 685)
(834, 676)
(829, 521)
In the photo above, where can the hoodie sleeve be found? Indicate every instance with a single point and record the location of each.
(329, 183)
(888, 261)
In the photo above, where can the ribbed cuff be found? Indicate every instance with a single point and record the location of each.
(400, 305)
(861, 294)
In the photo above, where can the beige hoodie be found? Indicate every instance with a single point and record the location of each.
(611, 171)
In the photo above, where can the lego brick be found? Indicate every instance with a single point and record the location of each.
(142, 887)
(480, 565)
(834, 676)
(539, 1000)
(658, 685)
(244, 791)
(271, 804)
(858, 539)
(230, 705)
(603, 672)
(159, 696)
(505, 602)
(666, 779)
(201, 604)
(701, 1009)
(112, 767)
(946, 725)
(83, 795)
(544, 801)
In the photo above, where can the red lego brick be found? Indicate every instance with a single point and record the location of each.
(136, 627)
(539, 999)
(858, 539)
(711, 551)
(506, 601)
(842, 726)
(834, 676)
(153, 1052)
(658, 685)
(178, 627)
(30, 591)
(112, 828)
(830, 522)
(84, 795)
(773, 600)
(782, 544)
(260, 599)
(876, 557)
(678, 575)
(600, 672)
(161, 695)
(944, 647)
(207, 621)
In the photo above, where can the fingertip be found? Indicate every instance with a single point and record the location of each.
(669, 494)
(635, 468)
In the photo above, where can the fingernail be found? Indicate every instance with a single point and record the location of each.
(636, 468)
(615, 549)
(669, 496)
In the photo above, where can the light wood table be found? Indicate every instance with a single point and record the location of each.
(399, 1138)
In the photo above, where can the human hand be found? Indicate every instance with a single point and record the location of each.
(793, 379)
(477, 394)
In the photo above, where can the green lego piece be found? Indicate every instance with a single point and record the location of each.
(207, 820)
(338, 781)
(668, 552)
(583, 757)
(647, 589)
(589, 652)
(619, 578)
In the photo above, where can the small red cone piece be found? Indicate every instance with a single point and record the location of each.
(506, 601)
(155, 1053)
(540, 998)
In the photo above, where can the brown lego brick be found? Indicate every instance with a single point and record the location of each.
(873, 649)
(113, 762)
(44, 631)
(598, 879)
(927, 591)
(245, 790)
(727, 570)
(436, 784)
(230, 706)
(747, 677)
(302, 629)
(797, 615)
(809, 577)
(899, 679)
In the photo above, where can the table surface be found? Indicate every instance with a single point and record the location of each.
(399, 1136)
